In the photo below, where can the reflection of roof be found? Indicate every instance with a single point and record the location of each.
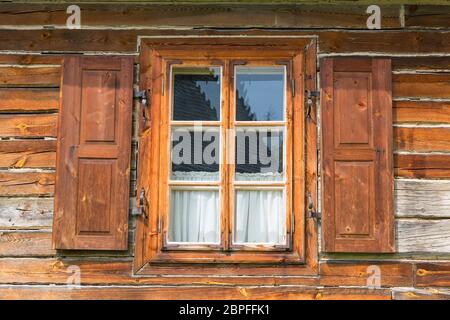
(190, 103)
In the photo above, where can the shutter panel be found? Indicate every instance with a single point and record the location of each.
(93, 165)
(357, 155)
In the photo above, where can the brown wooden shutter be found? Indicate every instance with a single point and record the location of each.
(357, 155)
(93, 165)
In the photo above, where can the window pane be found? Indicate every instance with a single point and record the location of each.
(259, 154)
(260, 93)
(260, 217)
(194, 216)
(196, 93)
(195, 153)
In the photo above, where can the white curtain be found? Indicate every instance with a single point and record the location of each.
(260, 217)
(194, 216)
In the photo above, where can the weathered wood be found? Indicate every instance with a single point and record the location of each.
(29, 59)
(28, 100)
(421, 112)
(427, 16)
(421, 85)
(432, 275)
(418, 294)
(26, 183)
(422, 139)
(26, 213)
(36, 125)
(432, 166)
(19, 244)
(28, 153)
(421, 63)
(30, 76)
(414, 235)
(357, 274)
(194, 293)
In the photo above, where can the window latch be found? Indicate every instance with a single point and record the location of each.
(312, 212)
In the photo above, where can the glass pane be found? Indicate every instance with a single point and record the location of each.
(259, 154)
(196, 93)
(195, 153)
(260, 217)
(260, 93)
(194, 216)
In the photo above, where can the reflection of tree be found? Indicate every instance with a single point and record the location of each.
(243, 108)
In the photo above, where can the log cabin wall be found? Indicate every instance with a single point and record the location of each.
(33, 39)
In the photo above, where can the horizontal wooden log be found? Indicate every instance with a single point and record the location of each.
(421, 85)
(421, 63)
(432, 275)
(392, 274)
(19, 244)
(36, 125)
(422, 139)
(126, 40)
(28, 100)
(420, 294)
(300, 16)
(26, 213)
(422, 198)
(30, 76)
(421, 112)
(425, 236)
(30, 59)
(28, 153)
(433, 166)
(427, 16)
(192, 293)
(26, 183)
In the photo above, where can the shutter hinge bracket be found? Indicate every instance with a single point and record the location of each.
(310, 95)
(143, 206)
(141, 96)
(312, 213)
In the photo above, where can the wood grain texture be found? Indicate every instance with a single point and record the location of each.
(418, 294)
(26, 213)
(432, 166)
(419, 16)
(26, 183)
(432, 275)
(422, 198)
(22, 244)
(30, 77)
(28, 153)
(357, 274)
(36, 125)
(30, 59)
(192, 293)
(421, 85)
(421, 112)
(28, 100)
(422, 139)
(415, 235)
(421, 63)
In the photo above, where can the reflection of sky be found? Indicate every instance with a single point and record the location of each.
(211, 89)
(264, 93)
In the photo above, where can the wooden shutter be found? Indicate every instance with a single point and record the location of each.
(357, 155)
(93, 165)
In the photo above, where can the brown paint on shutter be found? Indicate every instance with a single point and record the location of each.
(93, 154)
(357, 155)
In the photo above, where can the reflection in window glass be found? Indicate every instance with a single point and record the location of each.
(260, 93)
(196, 93)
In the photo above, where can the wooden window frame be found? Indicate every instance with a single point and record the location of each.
(156, 57)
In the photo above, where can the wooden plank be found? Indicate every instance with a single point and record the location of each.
(19, 244)
(432, 275)
(26, 183)
(422, 139)
(432, 166)
(28, 153)
(427, 16)
(421, 112)
(421, 85)
(418, 294)
(300, 16)
(415, 235)
(357, 274)
(28, 100)
(29, 59)
(26, 213)
(192, 293)
(421, 63)
(30, 76)
(36, 125)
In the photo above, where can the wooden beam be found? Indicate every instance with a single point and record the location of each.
(30, 77)
(432, 139)
(19, 244)
(415, 235)
(28, 100)
(28, 153)
(418, 294)
(26, 213)
(432, 275)
(421, 85)
(36, 125)
(421, 112)
(429, 166)
(421, 63)
(26, 183)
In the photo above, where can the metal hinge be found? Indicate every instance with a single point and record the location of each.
(141, 96)
(143, 206)
(309, 101)
(312, 213)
